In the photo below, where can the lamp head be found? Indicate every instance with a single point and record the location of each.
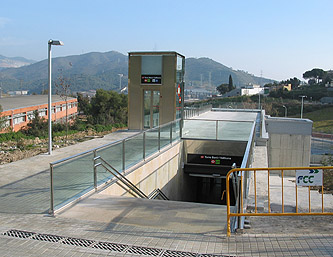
(55, 42)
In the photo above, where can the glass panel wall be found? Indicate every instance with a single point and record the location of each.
(151, 143)
(203, 129)
(133, 150)
(73, 178)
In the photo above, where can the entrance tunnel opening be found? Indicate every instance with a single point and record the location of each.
(206, 164)
(213, 191)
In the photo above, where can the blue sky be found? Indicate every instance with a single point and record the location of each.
(279, 38)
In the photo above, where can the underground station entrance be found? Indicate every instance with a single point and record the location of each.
(176, 153)
(214, 143)
(211, 144)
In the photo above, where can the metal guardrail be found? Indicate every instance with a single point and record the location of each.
(243, 172)
(190, 112)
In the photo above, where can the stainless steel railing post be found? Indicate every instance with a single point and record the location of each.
(217, 128)
(123, 155)
(95, 171)
(51, 211)
(181, 128)
(159, 138)
(144, 146)
(171, 127)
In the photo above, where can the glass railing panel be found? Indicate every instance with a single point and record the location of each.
(199, 129)
(151, 142)
(112, 155)
(165, 135)
(133, 150)
(73, 178)
(239, 131)
(176, 130)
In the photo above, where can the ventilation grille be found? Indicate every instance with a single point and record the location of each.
(169, 253)
(108, 246)
(47, 238)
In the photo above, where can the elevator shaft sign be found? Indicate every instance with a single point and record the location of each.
(313, 177)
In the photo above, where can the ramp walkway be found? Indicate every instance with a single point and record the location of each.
(25, 184)
(179, 217)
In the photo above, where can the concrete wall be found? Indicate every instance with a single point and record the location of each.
(289, 143)
(289, 150)
(163, 171)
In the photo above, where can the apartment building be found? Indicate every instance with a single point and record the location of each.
(18, 110)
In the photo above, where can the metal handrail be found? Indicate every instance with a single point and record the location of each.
(153, 195)
(235, 110)
(157, 192)
(245, 121)
(120, 177)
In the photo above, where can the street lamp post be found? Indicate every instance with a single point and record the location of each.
(302, 105)
(259, 101)
(120, 76)
(285, 111)
(49, 102)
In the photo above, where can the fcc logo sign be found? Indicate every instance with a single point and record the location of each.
(312, 177)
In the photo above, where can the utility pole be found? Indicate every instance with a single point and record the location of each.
(302, 96)
(285, 110)
(260, 87)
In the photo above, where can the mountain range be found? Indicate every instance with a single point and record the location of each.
(101, 70)
(13, 62)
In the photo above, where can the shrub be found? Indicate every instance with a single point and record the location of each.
(13, 136)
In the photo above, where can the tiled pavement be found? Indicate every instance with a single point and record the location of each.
(164, 242)
(296, 241)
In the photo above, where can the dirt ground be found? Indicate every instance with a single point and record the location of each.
(290, 225)
(12, 151)
(328, 183)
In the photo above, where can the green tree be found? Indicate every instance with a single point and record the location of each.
(295, 82)
(223, 88)
(108, 107)
(231, 84)
(37, 127)
(63, 90)
(83, 104)
(317, 74)
(2, 119)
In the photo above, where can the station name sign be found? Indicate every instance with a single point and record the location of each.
(214, 159)
(151, 79)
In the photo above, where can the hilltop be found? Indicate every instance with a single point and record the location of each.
(100, 70)
(13, 62)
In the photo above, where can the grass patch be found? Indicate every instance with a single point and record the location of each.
(320, 115)
(322, 120)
